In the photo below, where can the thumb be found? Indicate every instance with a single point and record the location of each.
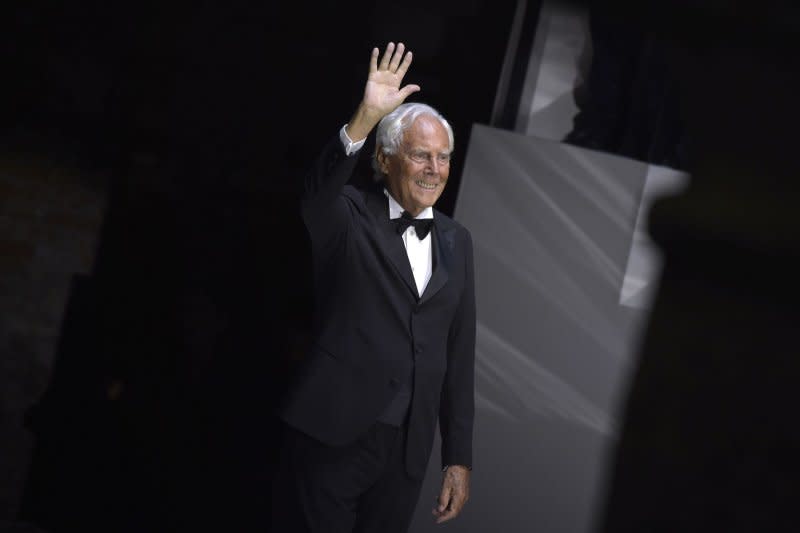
(408, 90)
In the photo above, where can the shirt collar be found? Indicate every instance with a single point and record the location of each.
(396, 210)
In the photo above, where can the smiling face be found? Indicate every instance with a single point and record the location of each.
(417, 173)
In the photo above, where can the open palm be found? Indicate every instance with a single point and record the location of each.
(382, 93)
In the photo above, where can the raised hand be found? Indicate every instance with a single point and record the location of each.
(382, 93)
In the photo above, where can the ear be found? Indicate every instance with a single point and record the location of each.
(381, 157)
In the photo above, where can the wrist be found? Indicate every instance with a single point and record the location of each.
(362, 122)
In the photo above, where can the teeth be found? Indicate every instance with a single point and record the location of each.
(429, 186)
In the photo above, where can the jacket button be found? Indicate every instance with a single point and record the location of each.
(394, 382)
(418, 349)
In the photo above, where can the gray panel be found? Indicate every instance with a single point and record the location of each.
(552, 226)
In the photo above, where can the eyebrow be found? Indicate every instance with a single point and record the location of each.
(422, 150)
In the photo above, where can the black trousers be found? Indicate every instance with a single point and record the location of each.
(358, 488)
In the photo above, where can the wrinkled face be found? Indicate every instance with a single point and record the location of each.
(417, 173)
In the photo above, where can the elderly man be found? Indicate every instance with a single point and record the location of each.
(394, 327)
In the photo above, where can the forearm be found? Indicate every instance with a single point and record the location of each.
(457, 409)
(456, 423)
(323, 208)
(329, 173)
(362, 122)
(382, 94)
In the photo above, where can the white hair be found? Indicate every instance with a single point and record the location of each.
(389, 134)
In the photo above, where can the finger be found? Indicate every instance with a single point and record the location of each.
(457, 499)
(449, 514)
(403, 68)
(408, 90)
(457, 502)
(437, 513)
(387, 55)
(451, 511)
(373, 60)
(398, 54)
(444, 499)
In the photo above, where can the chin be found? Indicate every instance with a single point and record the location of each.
(423, 205)
(429, 203)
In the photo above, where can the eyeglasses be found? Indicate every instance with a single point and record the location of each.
(418, 156)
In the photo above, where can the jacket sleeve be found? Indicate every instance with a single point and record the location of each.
(325, 211)
(457, 407)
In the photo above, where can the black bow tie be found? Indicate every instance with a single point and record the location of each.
(422, 225)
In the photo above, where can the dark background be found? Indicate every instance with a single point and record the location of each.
(192, 123)
(195, 121)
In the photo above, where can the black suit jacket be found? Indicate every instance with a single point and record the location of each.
(372, 331)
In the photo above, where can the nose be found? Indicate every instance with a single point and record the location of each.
(433, 165)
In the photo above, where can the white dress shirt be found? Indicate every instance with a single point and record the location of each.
(420, 253)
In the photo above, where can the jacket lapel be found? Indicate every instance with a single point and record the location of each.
(442, 260)
(390, 241)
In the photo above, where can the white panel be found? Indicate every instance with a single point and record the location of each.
(556, 67)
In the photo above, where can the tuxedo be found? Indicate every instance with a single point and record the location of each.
(373, 335)
(385, 362)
